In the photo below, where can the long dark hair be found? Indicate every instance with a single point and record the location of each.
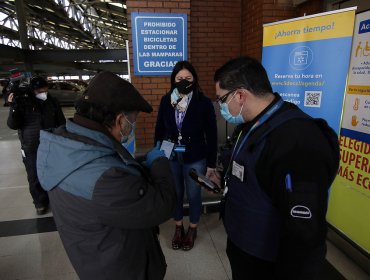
(180, 65)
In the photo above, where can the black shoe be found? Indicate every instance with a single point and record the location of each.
(41, 210)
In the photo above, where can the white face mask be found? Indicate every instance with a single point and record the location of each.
(42, 96)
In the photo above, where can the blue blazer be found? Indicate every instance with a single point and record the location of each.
(199, 128)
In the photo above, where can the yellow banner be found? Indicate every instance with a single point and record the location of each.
(327, 26)
(349, 202)
(349, 197)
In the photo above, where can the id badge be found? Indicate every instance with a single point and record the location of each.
(167, 147)
(179, 148)
(238, 171)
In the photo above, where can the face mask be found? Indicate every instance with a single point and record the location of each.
(184, 86)
(42, 96)
(130, 145)
(124, 138)
(129, 142)
(224, 109)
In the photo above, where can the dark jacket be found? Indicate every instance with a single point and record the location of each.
(104, 203)
(199, 128)
(308, 150)
(29, 115)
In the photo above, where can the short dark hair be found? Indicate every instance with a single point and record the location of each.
(38, 82)
(244, 72)
(180, 65)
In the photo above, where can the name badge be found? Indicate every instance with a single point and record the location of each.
(180, 148)
(238, 171)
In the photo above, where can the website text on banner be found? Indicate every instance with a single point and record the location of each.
(307, 61)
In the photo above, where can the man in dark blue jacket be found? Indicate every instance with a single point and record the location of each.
(276, 179)
(32, 110)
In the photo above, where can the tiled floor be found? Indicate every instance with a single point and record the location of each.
(31, 249)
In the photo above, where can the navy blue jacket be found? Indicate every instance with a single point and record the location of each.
(265, 217)
(199, 128)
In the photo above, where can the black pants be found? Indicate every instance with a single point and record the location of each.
(39, 195)
(303, 266)
(245, 266)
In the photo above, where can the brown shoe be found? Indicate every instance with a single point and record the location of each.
(178, 237)
(188, 242)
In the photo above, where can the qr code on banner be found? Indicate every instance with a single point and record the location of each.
(312, 98)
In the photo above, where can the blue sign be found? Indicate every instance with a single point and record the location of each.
(159, 42)
(364, 26)
(310, 75)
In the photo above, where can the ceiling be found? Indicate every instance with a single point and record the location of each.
(37, 36)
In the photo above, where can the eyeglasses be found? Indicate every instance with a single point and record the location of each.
(222, 99)
(132, 123)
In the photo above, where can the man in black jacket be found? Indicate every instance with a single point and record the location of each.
(277, 177)
(30, 111)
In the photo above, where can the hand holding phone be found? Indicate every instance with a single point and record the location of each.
(204, 181)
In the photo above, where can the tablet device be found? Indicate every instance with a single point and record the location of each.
(204, 181)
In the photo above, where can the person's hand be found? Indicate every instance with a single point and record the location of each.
(153, 154)
(210, 171)
(10, 98)
(214, 176)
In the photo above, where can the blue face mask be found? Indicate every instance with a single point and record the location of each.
(224, 109)
(124, 138)
(128, 141)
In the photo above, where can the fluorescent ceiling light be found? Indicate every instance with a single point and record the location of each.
(118, 5)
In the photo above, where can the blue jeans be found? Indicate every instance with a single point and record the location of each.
(193, 190)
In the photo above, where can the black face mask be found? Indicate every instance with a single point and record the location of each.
(184, 86)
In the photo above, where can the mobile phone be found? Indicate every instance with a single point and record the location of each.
(203, 181)
(167, 147)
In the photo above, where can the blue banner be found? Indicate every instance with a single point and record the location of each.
(159, 42)
(311, 76)
(307, 62)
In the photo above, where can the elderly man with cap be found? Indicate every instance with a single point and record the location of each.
(105, 204)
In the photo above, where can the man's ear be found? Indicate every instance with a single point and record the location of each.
(119, 119)
(242, 95)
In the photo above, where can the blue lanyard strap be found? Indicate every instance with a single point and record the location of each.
(259, 122)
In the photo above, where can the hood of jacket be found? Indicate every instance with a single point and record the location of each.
(59, 157)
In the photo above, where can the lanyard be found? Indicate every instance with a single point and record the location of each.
(260, 121)
(179, 116)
